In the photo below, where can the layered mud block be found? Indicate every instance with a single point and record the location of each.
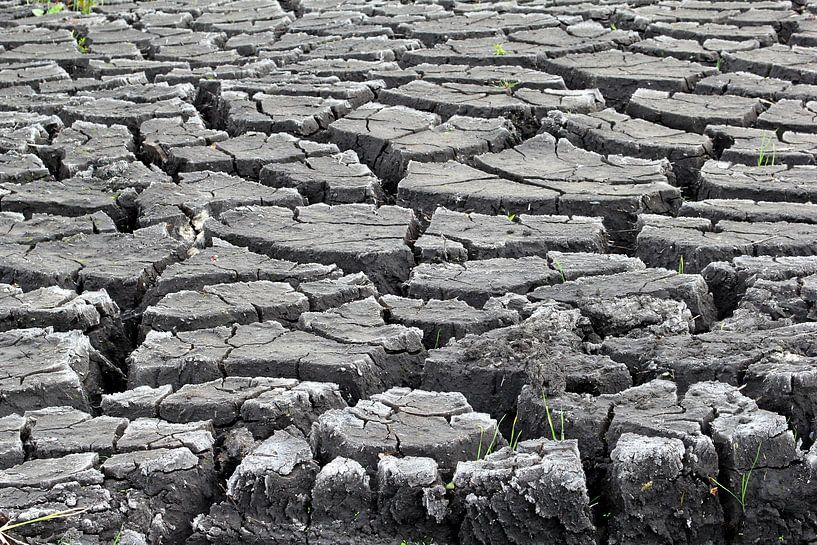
(662, 241)
(364, 323)
(43, 369)
(362, 358)
(171, 486)
(54, 485)
(523, 106)
(11, 444)
(789, 115)
(765, 35)
(753, 443)
(480, 24)
(611, 133)
(376, 48)
(793, 63)
(775, 183)
(720, 355)
(525, 78)
(616, 303)
(223, 263)
(203, 194)
(614, 187)
(124, 265)
(244, 155)
(42, 227)
(122, 175)
(56, 431)
(352, 69)
(388, 137)
(619, 73)
(33, 73)
(535, 493)
(763, 147)
(93, 313)
(544, 351)
(456, 236)
(123, 89)
(773, 303)
(224, 304)
(335, 179)
(135, 403)
(495, 52)
(85, 145)
(477, 281)
(729, 280)
(355, 93)
(158, 136)
(584, 37)
(404, 422)
(455, 186)
(743, 84)
(748, 210)
(692, 113)
(267, 495)
(783, 383)
(110, 111)
(300, 115)
(355, 237)
(688, 50)
(646, 474)
(21, 168)
(544, 159)
(72, 197)
(262, 405)
(443, 320)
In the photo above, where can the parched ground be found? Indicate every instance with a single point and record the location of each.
(431, 272)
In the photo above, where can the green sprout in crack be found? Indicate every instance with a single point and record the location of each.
(681, 265)
(515, 435)
(550, 420)
(767, 153)
(499, 50)
(512, 217)
(437, 340)
(492, 444)
(53, 8)
(84, 6)
(740, 495)
(82, 45)
(718, 64)
(507, 85)
(558, 265)
(6, 539)
(613, 27)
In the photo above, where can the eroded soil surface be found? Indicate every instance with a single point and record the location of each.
(429, 272)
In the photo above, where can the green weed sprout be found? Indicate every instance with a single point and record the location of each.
(550, 421)
(53, 8)
(6, 539)
(499, 50)
(514, 434)
(681, 265)
(507, 85)
(492, 444)
(559, 268)
(740, 496)
(764, 158)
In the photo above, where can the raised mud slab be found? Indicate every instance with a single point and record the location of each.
(419, 272)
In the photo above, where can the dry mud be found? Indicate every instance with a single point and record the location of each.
(334, 272)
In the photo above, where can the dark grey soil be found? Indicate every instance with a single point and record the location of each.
(417, 272)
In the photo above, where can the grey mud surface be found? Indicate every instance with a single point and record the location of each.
(415, 272)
